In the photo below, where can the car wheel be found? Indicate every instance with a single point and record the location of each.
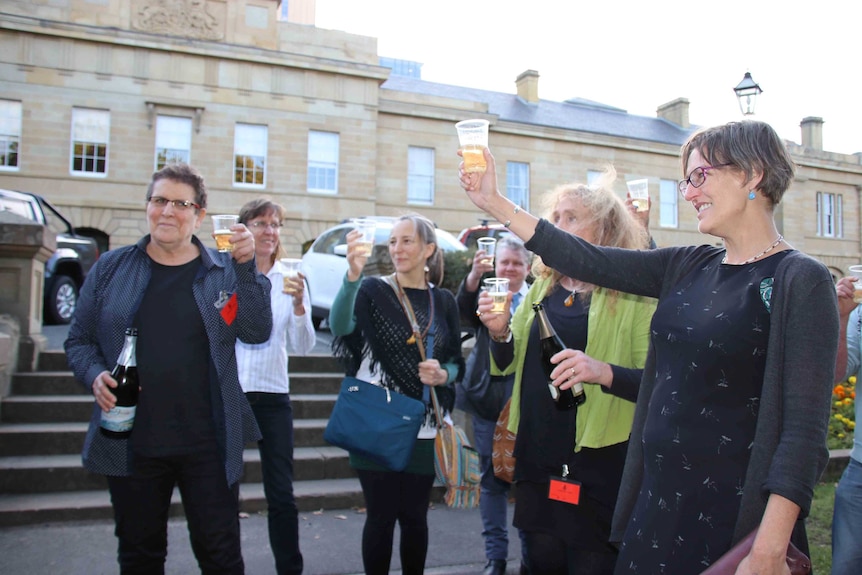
(61, 301)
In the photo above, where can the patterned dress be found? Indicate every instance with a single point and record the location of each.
(710, 337)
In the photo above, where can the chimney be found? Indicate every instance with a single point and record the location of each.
(528, 86)
(812, 132)
(675, 111)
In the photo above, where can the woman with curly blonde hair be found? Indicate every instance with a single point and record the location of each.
(606, 334)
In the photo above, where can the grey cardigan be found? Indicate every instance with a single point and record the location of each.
(789, 451)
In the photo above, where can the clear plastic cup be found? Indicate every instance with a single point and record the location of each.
(222, 231)
(473, 139)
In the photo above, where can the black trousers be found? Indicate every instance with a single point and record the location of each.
(391, 497)
(274, 415)
(141, 503)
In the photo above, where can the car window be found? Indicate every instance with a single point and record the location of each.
(381, 235)
(326, 243)
(16, 206)
(447, 242)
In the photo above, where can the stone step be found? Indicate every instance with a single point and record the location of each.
(77, 408)
(55, 360)
(64, 383)
(59, 473)
(27, 509)
(18, 439)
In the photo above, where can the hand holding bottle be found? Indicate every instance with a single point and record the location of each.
(573, 366)
(102, 386)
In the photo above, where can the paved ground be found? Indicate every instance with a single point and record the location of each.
(330, 542)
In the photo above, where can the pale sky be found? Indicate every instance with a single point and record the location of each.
(636, 55)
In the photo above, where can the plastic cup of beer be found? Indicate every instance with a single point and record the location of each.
(489, 246)
(497, 288)
(366, 242)
(856, 272)
(222, 231)
(639, 192)
(473, 139)
(292, 267)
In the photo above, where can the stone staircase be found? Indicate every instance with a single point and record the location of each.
(44, 420)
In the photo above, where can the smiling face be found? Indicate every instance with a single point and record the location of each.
(266, 241)
(720, 200)
(406, 249)
(171, 228)
(570, 215)
(509, 263)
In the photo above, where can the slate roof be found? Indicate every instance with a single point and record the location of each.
(574, 114)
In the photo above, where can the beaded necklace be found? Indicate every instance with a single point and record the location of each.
(777, 241)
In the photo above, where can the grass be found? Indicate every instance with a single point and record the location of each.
(819, 526)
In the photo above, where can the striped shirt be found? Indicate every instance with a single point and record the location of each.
(263, 366)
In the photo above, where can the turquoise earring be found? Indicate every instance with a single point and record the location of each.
(750, 194)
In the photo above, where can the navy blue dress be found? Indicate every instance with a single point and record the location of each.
(710, 337)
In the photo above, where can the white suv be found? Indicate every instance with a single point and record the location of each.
(325, 262)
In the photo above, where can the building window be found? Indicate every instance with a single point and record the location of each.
(249, 155)
(406, 68)
(173, 140)
(667, 207)
(518, 183)
(420, 176)
(830, 217)
(10, 134)
(323, 162)
(593, 176)
(90, 134)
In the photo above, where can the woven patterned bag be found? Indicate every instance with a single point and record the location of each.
(457, 466)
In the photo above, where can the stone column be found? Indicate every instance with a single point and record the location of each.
(25, 246)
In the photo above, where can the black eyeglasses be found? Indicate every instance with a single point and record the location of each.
(697, 177)
(259, 225)
(180, 205)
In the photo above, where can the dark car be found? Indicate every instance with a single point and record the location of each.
(68, 266)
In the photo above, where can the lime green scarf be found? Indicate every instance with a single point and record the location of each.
(617, 333)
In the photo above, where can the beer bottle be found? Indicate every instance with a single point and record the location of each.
(117, 423)
(552, 344)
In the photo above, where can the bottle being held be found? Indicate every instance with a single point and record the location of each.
(117, 423)
(551, 345)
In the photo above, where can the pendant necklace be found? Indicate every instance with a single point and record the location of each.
(752, 259)
(570, 299)
(408, 309)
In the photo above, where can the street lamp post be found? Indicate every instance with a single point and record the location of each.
(746, 92)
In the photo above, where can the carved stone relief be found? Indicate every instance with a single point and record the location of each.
(188, 18)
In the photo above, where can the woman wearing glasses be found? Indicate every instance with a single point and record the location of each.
(263, 376)
(730, 427)
(190, 304)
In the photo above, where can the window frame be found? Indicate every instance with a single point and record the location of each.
(246, 147)
(86, 134)
(11, 114)
(424, 178)
(514, 188)
(162, 134)
(668, 206)
(324, 150)
(830, 223)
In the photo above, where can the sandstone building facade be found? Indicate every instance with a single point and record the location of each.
(97, 94)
